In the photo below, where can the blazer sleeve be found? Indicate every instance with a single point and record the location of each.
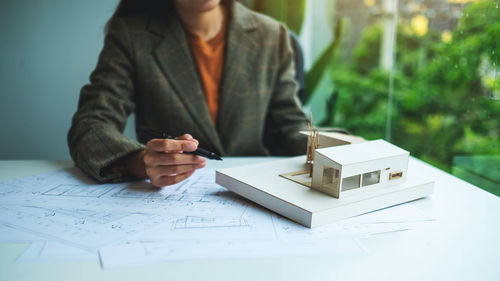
(285, 117)
(96, 139)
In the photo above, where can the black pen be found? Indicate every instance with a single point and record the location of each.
(152, 134)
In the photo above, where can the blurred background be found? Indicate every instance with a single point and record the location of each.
(422, 74)
(48, 50)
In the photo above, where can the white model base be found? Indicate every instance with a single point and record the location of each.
(262, 184)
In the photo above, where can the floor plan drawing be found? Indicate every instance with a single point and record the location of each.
(78, 190)
(207, 222)
(193, 196)
(134, 223)
(85, 229)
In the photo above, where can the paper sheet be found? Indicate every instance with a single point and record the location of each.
(13, 235)
(53, 251)
(81, 228)
(403, 213)
(134, 223)
(142, 252)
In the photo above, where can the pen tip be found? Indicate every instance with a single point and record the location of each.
(214, 156)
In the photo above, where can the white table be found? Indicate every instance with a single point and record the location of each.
(463, 244)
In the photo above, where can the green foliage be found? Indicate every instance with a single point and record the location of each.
(446, 95)
(290, 12)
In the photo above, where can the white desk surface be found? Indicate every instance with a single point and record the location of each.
(463, 244)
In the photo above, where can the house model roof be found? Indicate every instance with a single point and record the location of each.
(326, 138)
(361, 152)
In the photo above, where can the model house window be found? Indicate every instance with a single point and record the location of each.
(395, 176)
(330, 175)
(371, 178)
(351, 182)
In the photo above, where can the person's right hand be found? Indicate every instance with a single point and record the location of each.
(164, 162)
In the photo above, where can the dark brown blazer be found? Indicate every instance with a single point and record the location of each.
(146, 67)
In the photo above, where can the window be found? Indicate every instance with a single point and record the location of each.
(395, 176)
(371, 178)
(327, 175)
(330, 177)
(422, 74)
(351, 182)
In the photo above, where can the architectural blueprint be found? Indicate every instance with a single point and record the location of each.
(66, 214)
(53, 251)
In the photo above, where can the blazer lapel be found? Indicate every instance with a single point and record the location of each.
(240, 51)
(174, 58)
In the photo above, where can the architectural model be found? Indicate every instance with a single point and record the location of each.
(349, 169)
(339, 177)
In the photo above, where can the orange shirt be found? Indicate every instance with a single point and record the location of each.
(209, 57)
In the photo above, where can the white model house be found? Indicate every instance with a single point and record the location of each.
(329, 139)
(350, 169)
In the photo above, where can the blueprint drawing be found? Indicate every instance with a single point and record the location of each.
(67, 214)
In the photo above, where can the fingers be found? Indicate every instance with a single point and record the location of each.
(165, 164)
(187, 137)
(170, 168)
(174, 169)
(153, 159)
(169, 145)
(167, 175)
(169, 180)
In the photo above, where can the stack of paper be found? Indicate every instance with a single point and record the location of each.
(67, 216)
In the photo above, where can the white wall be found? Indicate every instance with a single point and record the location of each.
(48, 49)
(317, 30)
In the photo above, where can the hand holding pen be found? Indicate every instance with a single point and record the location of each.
(152, 134)
(167, 161)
